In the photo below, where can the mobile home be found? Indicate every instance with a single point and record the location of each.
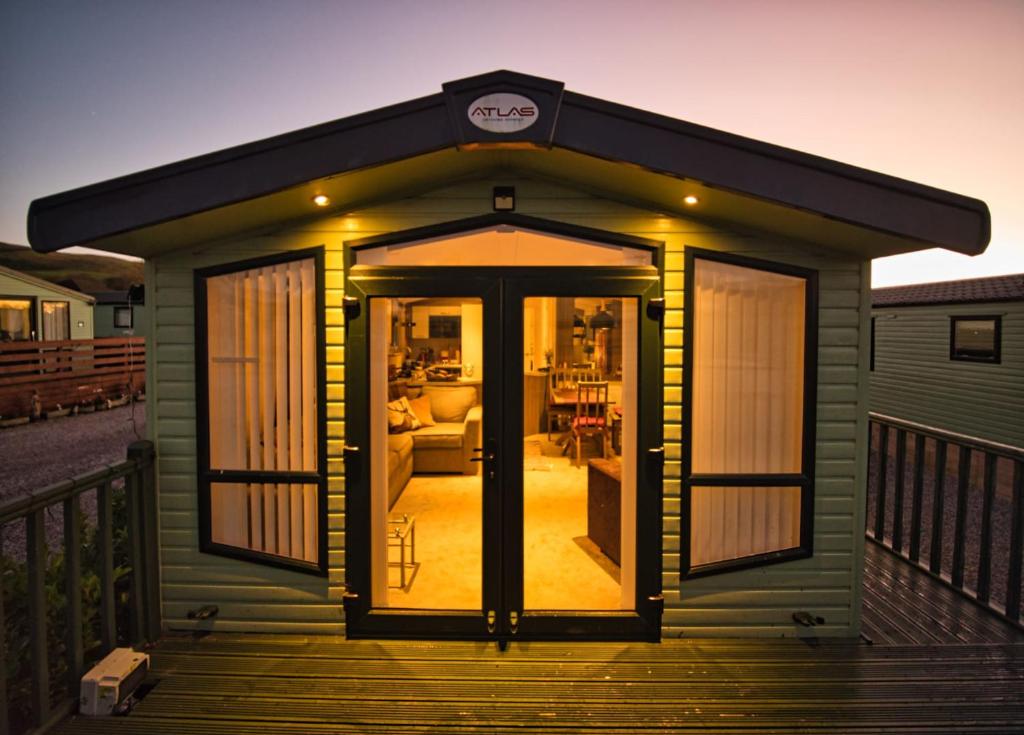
(951, 355)
(509, 361)
(34, 309)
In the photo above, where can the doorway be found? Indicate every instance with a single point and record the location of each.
(503, 474)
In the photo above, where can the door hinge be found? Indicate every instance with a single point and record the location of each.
(656, 309)
(657, 454)
(351, 307)
(657, 602)
(492, 619)
(513, 621)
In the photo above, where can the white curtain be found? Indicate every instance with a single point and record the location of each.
(748, 362)
(262, 392)
(56, 324)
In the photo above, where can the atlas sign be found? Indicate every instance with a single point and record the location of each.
(502, 112)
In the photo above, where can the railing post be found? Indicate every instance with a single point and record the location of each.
(4, 722)
(897, 498)
(1016, 543)
(143, 454)
(918, 490)
(938, 500)
(73, 590)
(36, 548)
(105, 544)
(137, 608)
(883, 464)
(963, 470)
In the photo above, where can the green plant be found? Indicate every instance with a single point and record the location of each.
(14, 575)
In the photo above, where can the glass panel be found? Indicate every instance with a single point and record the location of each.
(278, 519)
(123, 317)
(504, 246)
(425, 423)
(975, 337)
(15, 319)
(56, 320)
(579, 452)
(748, 370)
(733, 522)
(261, 327)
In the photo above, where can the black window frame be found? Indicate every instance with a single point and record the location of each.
(32, 316)
(997, 338)
(871, 366)
(208, 476)
(131, 317)
(804, 479)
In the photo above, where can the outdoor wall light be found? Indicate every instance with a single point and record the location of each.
(504, 199)
(321, 200)
(690, 200)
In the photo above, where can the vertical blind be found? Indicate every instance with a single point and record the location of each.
(748, 384)
(263, 406)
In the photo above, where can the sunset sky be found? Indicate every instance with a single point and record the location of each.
(930, 91)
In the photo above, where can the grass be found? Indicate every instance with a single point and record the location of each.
(90, 273)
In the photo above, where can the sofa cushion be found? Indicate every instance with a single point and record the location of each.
(421, 407)
(439, 436)
(401, 417)
(450, 404)
(399, 442)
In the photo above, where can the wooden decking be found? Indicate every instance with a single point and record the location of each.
(958, 675)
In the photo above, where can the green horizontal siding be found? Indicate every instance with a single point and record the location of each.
(914, 378)
(752, 602)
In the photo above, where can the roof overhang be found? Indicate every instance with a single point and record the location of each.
(596, 145)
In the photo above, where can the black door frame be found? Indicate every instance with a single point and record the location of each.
(502, 590)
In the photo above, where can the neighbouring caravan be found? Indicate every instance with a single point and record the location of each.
(508, 361)
(32, 309)
(951, 355)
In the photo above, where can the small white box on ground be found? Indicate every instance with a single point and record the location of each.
(112, 680)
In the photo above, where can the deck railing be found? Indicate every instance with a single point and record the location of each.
(135, 477)
(951, 504)
(74, 372)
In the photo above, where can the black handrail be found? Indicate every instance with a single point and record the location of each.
(928, 486)
(144, 604)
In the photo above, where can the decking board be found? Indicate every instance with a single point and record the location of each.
(944, 666)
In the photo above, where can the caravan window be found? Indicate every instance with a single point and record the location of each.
(261, 443)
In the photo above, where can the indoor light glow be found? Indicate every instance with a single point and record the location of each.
(690, 200)
(321, 200)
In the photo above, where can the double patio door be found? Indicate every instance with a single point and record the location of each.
(503, 462)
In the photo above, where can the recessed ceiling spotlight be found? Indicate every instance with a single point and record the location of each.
(321, 200)
(690, 199)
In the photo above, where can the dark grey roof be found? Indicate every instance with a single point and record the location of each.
(566, 120)
(966, 291)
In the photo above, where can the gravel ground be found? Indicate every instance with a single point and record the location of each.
(39, 454)
(1001, 512)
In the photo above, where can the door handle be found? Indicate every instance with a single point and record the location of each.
(489, 458)
(352, 462)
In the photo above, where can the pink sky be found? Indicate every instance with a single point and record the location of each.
(929, 91)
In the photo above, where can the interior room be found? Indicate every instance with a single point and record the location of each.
(578, 386)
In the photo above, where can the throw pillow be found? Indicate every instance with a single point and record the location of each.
(401, 417)
(421, 408)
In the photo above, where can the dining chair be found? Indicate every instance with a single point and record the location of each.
(558, 379)
(591, 415)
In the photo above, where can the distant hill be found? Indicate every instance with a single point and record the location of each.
(89, 273)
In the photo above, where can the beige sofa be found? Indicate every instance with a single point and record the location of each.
(445, 448)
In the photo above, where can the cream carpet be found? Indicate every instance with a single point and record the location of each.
(562, 568)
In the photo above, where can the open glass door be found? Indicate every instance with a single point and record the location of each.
(581, 478)
(503, 467)
(419, 478)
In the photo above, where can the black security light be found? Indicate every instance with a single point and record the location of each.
(504, 199)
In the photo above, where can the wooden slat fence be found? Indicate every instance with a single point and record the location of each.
(136, 476)
(69, 372)
(952, 505)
